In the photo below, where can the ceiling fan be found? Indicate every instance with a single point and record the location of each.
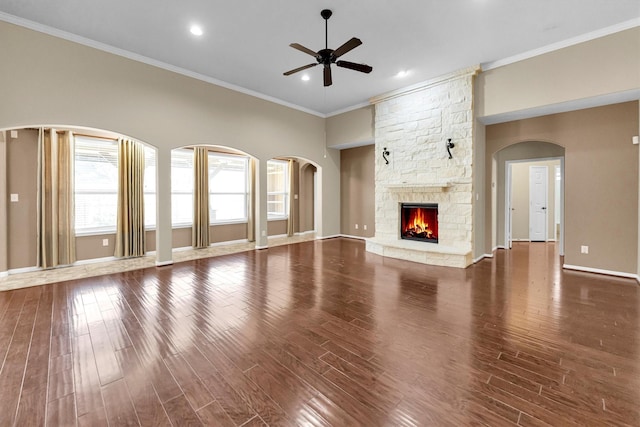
(327, 56)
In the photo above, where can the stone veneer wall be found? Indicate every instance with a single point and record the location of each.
(414, 125)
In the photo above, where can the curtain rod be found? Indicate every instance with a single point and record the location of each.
(94, 136)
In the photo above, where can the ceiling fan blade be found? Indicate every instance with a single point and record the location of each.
(327, 76)
(351, 44)
(363, 68)
(303, 49)
(295, 70)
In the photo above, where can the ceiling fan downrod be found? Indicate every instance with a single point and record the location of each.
(326, 14)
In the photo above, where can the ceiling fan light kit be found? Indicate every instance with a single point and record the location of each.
(327, 56)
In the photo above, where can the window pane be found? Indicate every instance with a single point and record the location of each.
(227, 207)
(182, 187)
(182, 208)
(96, 184)
(96, 211)
(150, 210)
(277, 188)
(227, 187)
(227, 174)
(276, 204)
(149, 187)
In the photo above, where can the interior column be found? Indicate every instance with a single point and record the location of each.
(164, 242)
(261, 204)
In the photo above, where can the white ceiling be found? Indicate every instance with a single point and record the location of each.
(246, 43)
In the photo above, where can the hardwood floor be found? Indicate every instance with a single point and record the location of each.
(324, 333)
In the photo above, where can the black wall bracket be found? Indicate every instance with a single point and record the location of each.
(450, 145)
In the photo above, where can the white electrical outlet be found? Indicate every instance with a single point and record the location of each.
(584, 249)
(364, 226)
(356, 226)
(105, 242)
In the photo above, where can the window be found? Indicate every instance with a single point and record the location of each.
(96, 185)
(228, 188)
(277, 189)
(149, 187)
(182, 187)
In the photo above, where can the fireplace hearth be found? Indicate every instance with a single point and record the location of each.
(419, 222)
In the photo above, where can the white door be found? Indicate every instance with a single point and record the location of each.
(538, 176)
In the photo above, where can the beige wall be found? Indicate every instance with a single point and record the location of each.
(357, 193)
(601, 180)
(277, 228)
(306, 204)
(90, 247)
(604, 66)
(22, 164)
(520, 198)
(158, 107)
(351, 129)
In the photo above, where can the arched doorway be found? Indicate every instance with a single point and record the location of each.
(526, 153)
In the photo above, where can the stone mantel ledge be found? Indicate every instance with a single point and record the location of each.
(436, 186)
(422, 252)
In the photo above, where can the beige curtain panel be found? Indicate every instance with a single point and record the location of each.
(251, 203)
(130, 235)
(290, 220)
(55, 208)
(200, 229)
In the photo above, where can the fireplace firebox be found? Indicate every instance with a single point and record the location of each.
(419, 222)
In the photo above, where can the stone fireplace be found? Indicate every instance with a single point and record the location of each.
(413, 125)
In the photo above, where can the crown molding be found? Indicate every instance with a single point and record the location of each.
(626, 25)
(465, 72)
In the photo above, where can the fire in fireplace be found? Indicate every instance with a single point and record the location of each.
(419, 222)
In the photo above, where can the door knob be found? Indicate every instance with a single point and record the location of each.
(544, 208)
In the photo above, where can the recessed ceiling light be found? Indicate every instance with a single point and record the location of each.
(402, 73)
(305, 77)
(196, 30)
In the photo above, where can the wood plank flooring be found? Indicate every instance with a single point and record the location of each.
(325, 334)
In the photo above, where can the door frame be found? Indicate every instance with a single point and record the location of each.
(507, 199)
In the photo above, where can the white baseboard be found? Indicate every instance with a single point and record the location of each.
(262, 247)
(277, 236)
(600, 271)
(304, 233)
(23, 270)
(481, 257)
(94, 260)
(163, 263)
(4, 274)
(499, 247)
(229, 242)
(182, 249)
(349, 236)
(333, 236)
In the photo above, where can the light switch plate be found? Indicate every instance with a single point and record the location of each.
(15, 197)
